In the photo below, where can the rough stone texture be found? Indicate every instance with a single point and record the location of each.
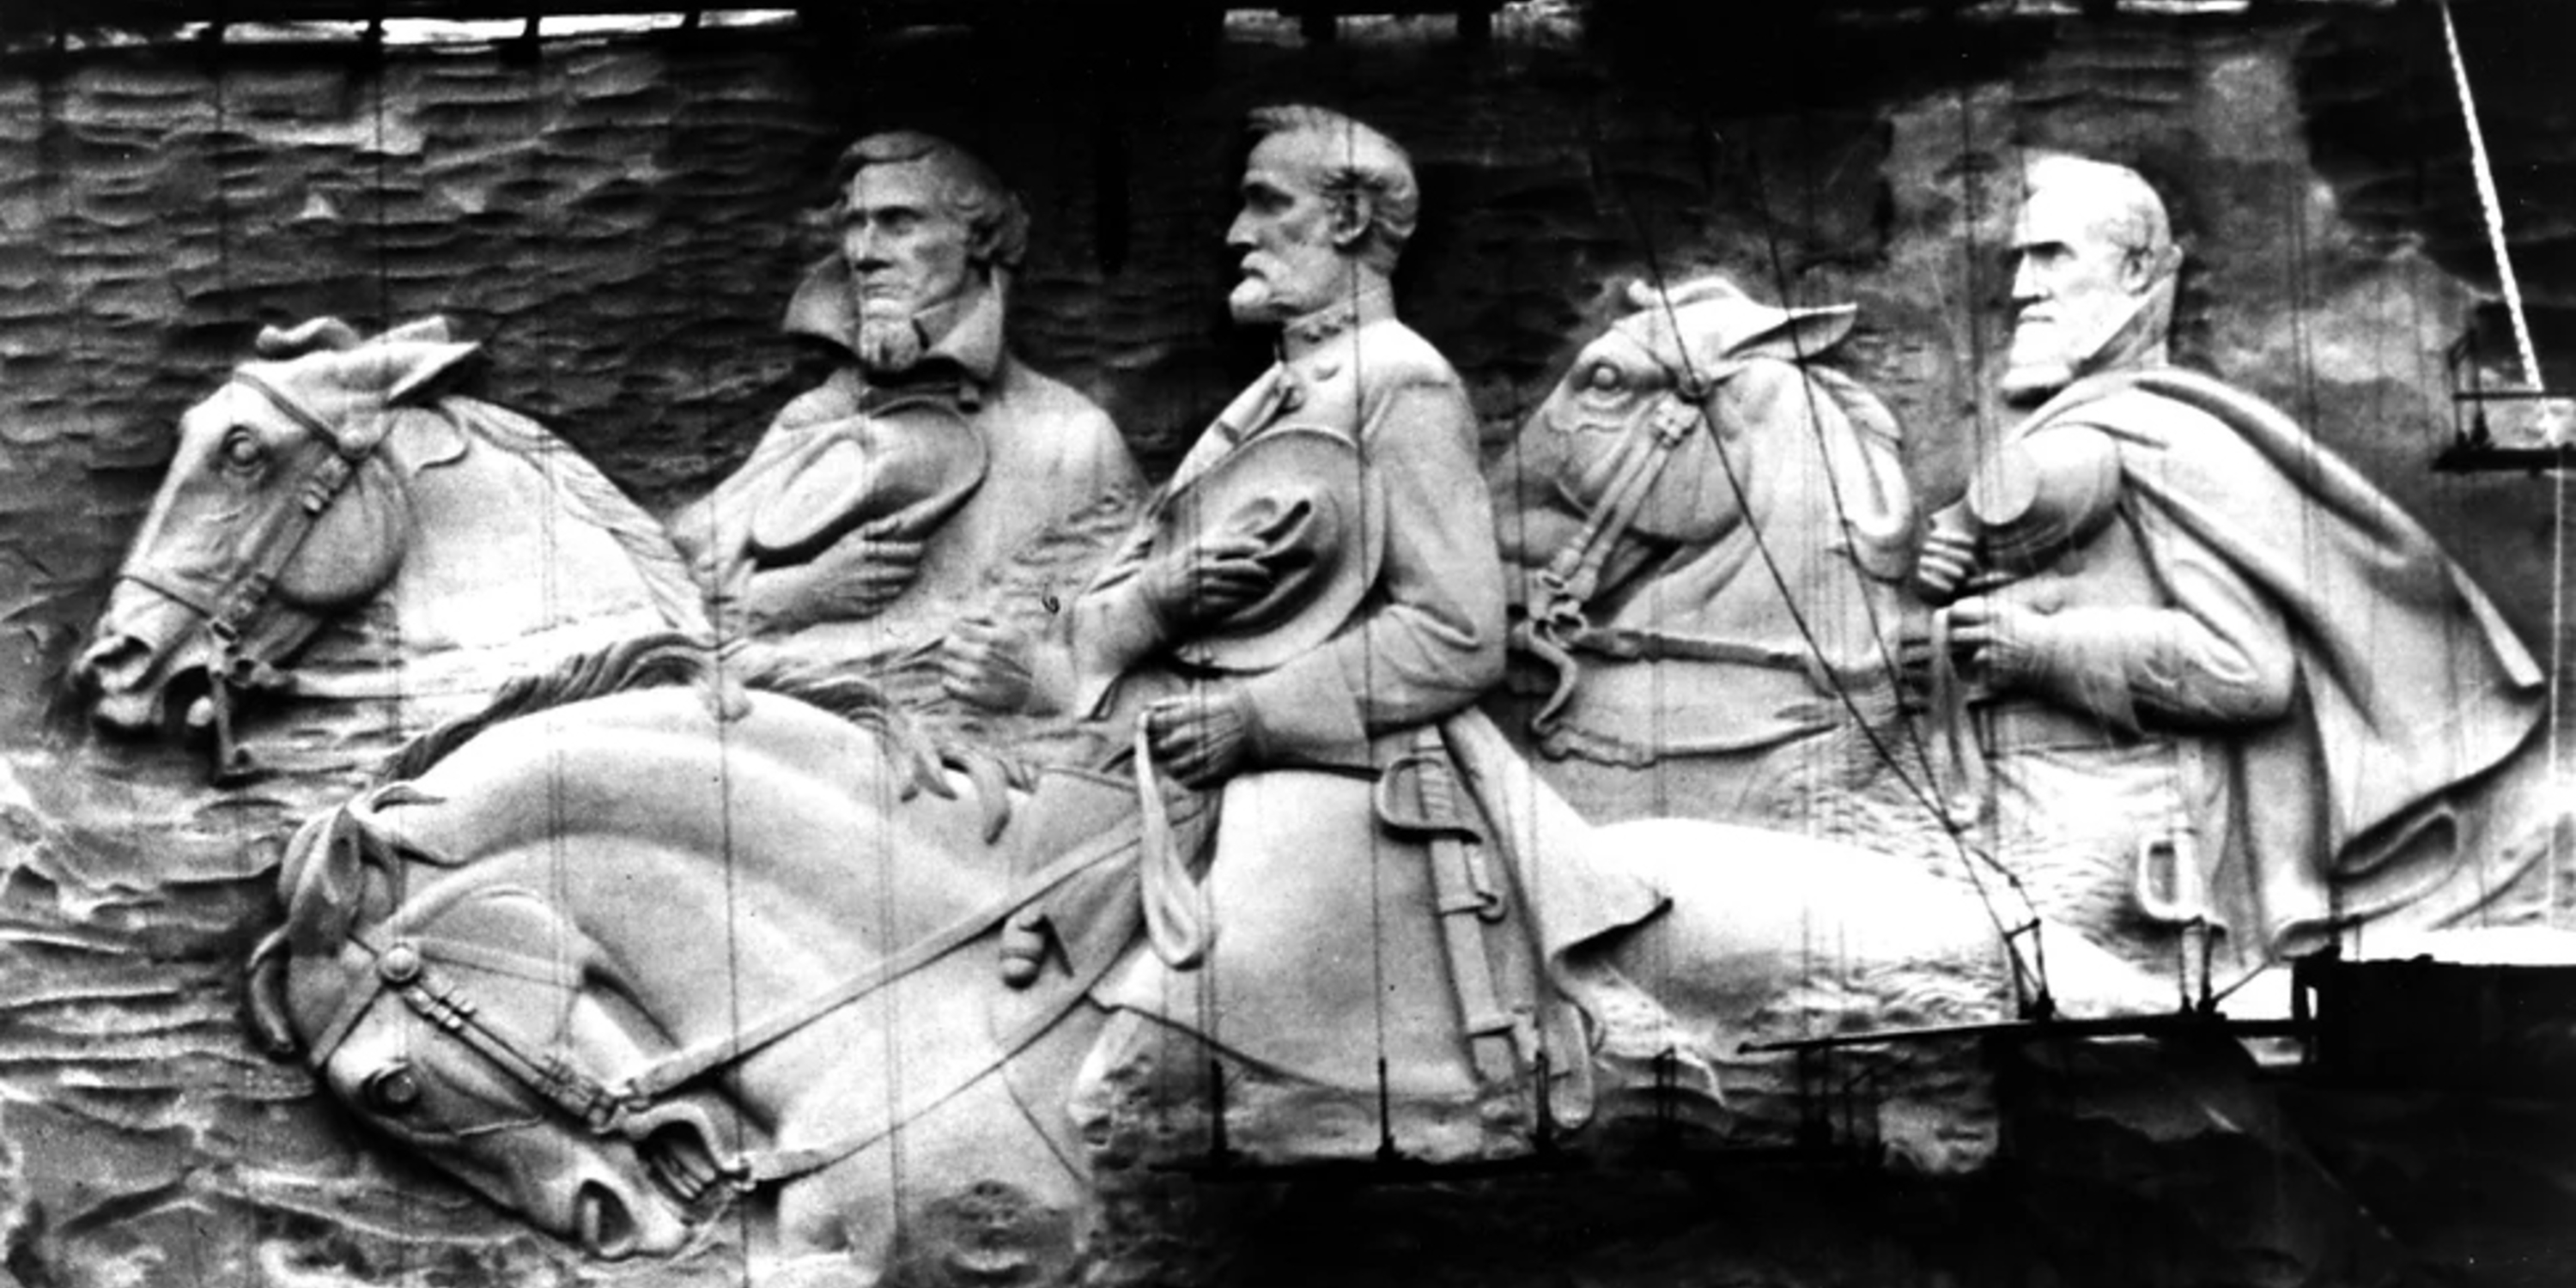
(621, 223)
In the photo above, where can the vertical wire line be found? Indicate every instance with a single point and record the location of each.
(2488, 203)
(1360, 466)
(392, 618)
(224, 285)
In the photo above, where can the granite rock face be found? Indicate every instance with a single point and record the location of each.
(620, 224)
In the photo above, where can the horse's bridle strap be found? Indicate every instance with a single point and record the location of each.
(1572, 575)
(1570, 579)
(405, 971)
(294, 410)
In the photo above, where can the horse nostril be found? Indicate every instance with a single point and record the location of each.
(114, 662)
(606, 1228)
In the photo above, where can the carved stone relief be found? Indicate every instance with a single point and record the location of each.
(1507, 738)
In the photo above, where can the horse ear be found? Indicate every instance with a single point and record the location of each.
(355, 543)
(327, 871)
(264, 993)
(1644, 295)
(432, 330)
(418, 365)
(1798, 336)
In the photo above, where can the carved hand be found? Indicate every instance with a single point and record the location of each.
(1999, 642)
(1211, 580)
(1949, 556)
(986, 664)
(1203, 736)
(855, 578)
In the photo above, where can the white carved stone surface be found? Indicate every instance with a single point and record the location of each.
(619, 223)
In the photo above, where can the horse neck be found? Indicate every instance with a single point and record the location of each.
(508, 541)
(1790, 544)
(708, 955)
(714, 912)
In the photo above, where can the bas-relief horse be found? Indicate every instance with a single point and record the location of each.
(1711, 534)
(620, 950)
(332, 475)
(1708, 532)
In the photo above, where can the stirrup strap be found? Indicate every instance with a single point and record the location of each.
(1959, 762)
(1178, 921)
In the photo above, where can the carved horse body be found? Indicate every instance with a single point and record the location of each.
(332, 474)
(611, 961)
(1709, 532)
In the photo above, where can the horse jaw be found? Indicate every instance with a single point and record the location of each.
(599, 1199)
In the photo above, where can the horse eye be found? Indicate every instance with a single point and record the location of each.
(1603, 378)
(391, 1089)
(243, 450)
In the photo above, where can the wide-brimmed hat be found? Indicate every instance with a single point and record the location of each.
(900, 471)
(1320, 516)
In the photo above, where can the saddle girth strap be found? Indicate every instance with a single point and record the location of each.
(1179, 923)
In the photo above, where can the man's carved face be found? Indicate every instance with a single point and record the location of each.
(2073, 287)
(1285, 233)
(907, 255)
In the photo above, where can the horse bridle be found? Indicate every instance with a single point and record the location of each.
(1555, 625)
(406, 965)
(237, 660)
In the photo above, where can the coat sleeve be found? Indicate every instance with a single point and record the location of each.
(710, 531)
(1428, 638)
(2216, 651)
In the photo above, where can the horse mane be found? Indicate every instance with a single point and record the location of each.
(597, 501)
(670, 660)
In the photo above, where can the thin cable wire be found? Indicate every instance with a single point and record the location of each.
(1360, 465)
(2489, 204)
(1771, 565)
(224, 280)
(384, 322)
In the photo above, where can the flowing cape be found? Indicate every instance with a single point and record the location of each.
(2410, 683)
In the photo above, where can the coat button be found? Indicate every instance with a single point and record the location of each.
(400, 964)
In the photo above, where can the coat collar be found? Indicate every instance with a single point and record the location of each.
(1372, 300)
(969, 328)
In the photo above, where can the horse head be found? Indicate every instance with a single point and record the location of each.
(1642, 421)
(463, 1022)
(1692, 441)
(286, 502)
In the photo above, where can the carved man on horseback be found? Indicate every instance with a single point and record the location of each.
(1301, 621)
